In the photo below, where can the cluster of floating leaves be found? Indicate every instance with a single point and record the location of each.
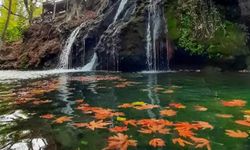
(185, 133)
(29, 93)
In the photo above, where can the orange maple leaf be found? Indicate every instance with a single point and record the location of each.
(203, 125)
(236, 134)
(62, 119)
(177, 105)
(234, 103)
(157, 142)
(130, 122)
(47, 116)
(120, 141)
(97, 125)
(201, 142)
(243, 122)
(117, 129)
(155, 129)
(168, 112)
(181, 142)
(126, 105)
(152, 122)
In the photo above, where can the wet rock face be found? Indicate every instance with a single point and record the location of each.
(119, 44)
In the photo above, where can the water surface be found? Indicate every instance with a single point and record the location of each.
(24, 100)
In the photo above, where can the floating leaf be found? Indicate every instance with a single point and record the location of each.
(169, 92)
(47, 116)
(97, 125)
(200, 108)
(224, 115)
(80, 125)
(155, 129)
(118, 129)
(62, 119)
(120, 141)
(130, 122)
(203, 125)
(247, 112)
(157, 142)
(236, 134)
(138, 103)
(181, 142)
(121, 119)
(168, 112)
(234, 103)
(126, 105)
(243, 122)
(201, 142)
(177, 105)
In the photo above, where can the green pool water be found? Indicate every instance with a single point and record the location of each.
(22, 127)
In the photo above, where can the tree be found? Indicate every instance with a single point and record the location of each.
(7, 20)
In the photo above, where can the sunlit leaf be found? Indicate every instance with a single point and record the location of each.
(138, 103)
(121, 119)
(157, 142)
(236, 134)
(120, 142)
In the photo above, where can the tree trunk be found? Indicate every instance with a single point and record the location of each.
(7, 20)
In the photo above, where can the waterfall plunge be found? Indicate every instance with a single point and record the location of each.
(153, 32)
(65, 55)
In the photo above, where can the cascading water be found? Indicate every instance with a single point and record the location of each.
(120, 9)
(92, 64)
(65, 55)
(154, 29)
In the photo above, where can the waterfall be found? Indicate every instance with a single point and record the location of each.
(153, 34)
(120, 9)
(92, 64)
(64, 57)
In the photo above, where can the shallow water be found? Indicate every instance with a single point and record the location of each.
(24, 100)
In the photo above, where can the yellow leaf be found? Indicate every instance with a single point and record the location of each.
(121, 119)
(138, 103)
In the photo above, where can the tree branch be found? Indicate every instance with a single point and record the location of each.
(12, 13)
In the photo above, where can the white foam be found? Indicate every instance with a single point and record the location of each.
(19, 75)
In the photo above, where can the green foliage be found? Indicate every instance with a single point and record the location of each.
(198, 27)
(18, 22)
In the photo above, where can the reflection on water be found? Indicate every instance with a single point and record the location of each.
(23, 102)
